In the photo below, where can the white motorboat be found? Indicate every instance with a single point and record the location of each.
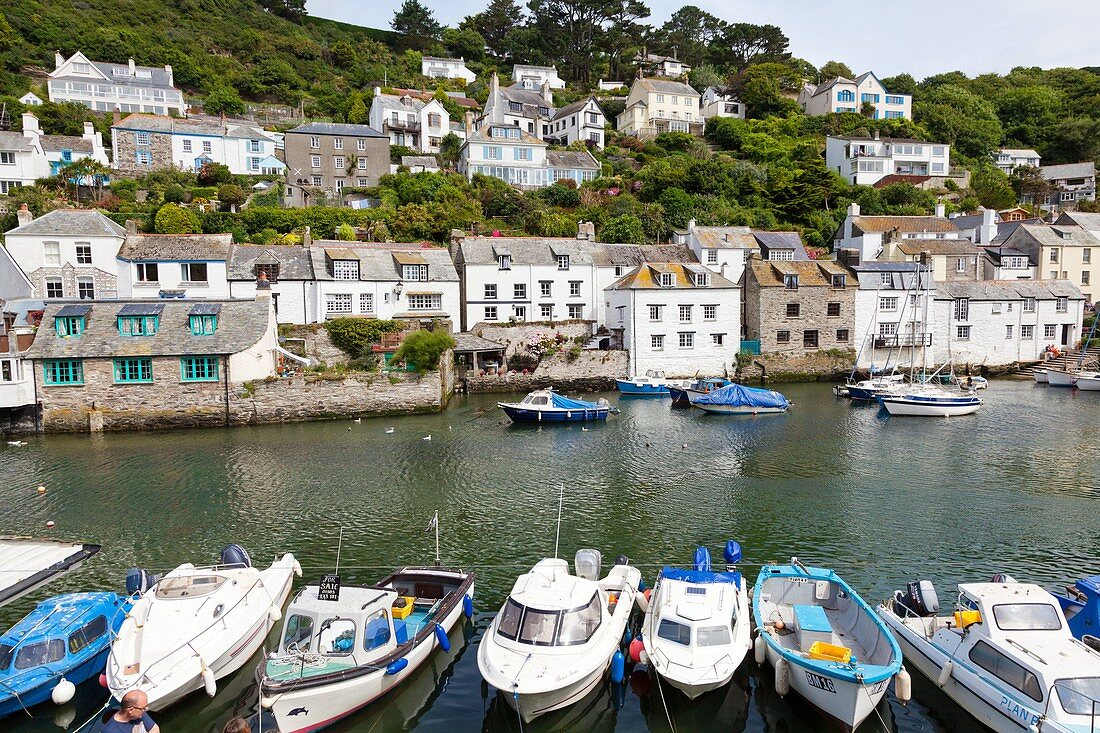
(1040, 376)
(696, 630)
(1090, 382)
(652, 383)
(337, 656)
(1061, 377)
(197, 625)
(823, 640)
(929, 401)
(558, 633)
(1006, 655)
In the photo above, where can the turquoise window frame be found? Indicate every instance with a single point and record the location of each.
(845, 95)
(138, 325)
(133, 371)
(200, 368)
(205, 325)
(61, 372)
(69, 326)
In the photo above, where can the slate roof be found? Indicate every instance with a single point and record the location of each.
(443, 58)
(533, 66)
(483, 135)
(14, 141)
(545, 250)
(456, 97)
(571, 159)
(528, 97)
(241, 324)
(633, 255)
(425, 161)
(726, 237)
(647, 277)
(781, 240)
(900, 178)
(57, 143)
(70, 223)
(664, 86)
(176, 247)
(468, 342)
(295, 263)
(996, 253)
(1008, 290)
(381, 264)
(1083, 219)
(811, 273)
(1051, 236)
(901, 273)
(162, 123)
(395, 102)
(917, 245)
(903, 224)
(336, 128)
(825, 86)
(1068, 170)
(158, 75)
(1006, 228)
(576, 107)
(1020, 152)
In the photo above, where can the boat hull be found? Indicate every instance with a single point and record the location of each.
(739, 409)
(848, 703)
(1089, 384)
(525, 414)
(679, 395)
(316, 707)
(918, 407)
(78, 674)
(533, 705)
(635, 389)
(1040, 376)
(1058, 378)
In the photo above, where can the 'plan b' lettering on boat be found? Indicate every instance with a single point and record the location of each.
(821, 683)
(1019, 711)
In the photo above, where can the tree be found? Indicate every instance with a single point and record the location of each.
(450, 147)
(625, 229)
(833, 69)
(423, 349)
(289, 9)
(1030, 114)
(954, 115)
(573, 30)
(868, 109)
(214, 174)
(174, 219)
(900, 84)
(992, 188)
(416, 20)
(232, 194)
(761, 88)
(1028, 182)
(345, 233)
(174, 194)
(689, 33)
(465, 43)
(752, 44)
(223, 99)
(495, 23)
(678, 206)
(343, 54)
(357, 109)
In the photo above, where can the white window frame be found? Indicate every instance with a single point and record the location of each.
(657, 342)
(686, 339)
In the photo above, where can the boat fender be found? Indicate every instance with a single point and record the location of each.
(636, 648)
(644, 657)
(945, 674)
(642, 601)
(103, 680)
(298, 568)
(397, 666)
(782, 677)
(266, 702)
(903, 686)
(468, 606)
(760, 649)
(208, 681)
(641, 585)
(274, 614)
(441, 637)
(63, 692)
(618, 668)
(618, 696)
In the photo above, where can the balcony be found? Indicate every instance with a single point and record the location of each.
(405, 125)
(664, 124)
(903, 339)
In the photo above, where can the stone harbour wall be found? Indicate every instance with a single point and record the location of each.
(512, 337)
(591, 371)
(317, 343)
(818, 366)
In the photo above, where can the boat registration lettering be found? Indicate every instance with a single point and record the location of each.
(879, 687)
(1018, 711)
(820, 682)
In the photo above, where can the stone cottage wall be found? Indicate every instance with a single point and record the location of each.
(591, 371)
(512, 337)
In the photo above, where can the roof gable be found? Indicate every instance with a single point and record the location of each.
(70, 223)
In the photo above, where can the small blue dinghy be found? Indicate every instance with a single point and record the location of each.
(64, 641)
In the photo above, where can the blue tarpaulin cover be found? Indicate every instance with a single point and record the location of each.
(566, 403)
(740, 395)
(700, 576)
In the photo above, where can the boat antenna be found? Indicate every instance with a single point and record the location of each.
(435, 522)
(339, 544)
(557, 532)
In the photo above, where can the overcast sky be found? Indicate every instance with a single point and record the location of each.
(922, 37)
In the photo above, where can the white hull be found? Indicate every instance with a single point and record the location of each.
(964, 687)
(931, 410)
(1058, 378)
(532, 706)
(739, 410)
(694, 690)
(1040, 376)
(313, 708)
(841, 700)
(1089, 384)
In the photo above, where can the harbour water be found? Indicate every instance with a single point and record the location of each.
(882, 500)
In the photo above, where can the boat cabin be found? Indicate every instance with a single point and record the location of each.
(538, 398)
(697, 608)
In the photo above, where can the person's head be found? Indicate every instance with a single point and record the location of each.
(134, 704)
(237, 725)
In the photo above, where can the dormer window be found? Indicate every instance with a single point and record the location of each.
(702, 280)
(69, 321)
(139, 319)
(563, 262)
(203, 319)
(270, 270)
(885, 280)
(345, 269)
(416, 273)
(781, 255)
(505, 262)
(667, 279)
(839, 281)
(790, 282)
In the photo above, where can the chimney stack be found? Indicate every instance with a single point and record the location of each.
(133, 68)
(131, 227)
(24, 215)
(469, 123)
(30, 126)
(853, 209)
(117, 117)
(307, 238)
(547, 95)
(58, 60)
(262, 283)
(171, 75)
(586, 231)
(940, 210)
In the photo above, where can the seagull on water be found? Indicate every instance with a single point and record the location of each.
(426, 437)
(389, 431)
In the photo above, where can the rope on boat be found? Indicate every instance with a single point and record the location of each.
(664, 703)
(874, 707)
(95, 715)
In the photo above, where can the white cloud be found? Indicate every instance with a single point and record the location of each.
(922, 37)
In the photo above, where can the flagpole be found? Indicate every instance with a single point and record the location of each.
(435, 521)
(339, 544)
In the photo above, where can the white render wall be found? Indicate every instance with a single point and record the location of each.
(909, 317)
(230, 151)
(988, 343)
(290, 298)
(478, 275)
(386, 303)
(258, 360)
(704, 359)
(170, 277)
(28, 251)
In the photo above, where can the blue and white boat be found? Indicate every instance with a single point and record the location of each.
(927, 401)
(652, 384)
(681, 395)
(1081, 605)
(867, 390)
(64, 641)
(823, 640)
(737, 399)
(546, 405)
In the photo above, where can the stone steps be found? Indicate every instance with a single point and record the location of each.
(1067, 360)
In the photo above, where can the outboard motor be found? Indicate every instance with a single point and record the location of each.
(622, 560)
(138, 581)
(919, 597)
(587, 564)
(732, 553)
(235, 556)
(702, 559)
(1003, 578)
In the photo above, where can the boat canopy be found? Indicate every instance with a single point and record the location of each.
(700, 576)
(742, 396)
(567, 403)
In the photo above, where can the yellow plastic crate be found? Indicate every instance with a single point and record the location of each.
(402, 607)
(965, 618)
(830, 652)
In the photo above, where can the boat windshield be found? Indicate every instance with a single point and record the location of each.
(6, 653)
(189, 586)
(675, 632)
(298, 632)
(712, 635)
(535, 400)
(550, 628)
(508, 626)
(538, 627)
(1027, 617)
(44, 652)
(578, 625)
(1079, 696)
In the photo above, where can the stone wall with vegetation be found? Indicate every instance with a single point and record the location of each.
(834, 364)
(317, 343)
(514, 338)
(588, 371)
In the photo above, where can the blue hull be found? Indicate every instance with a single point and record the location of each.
(518, 414)
(679, 395)
(859, 393)
(646, 390)
(41, 693)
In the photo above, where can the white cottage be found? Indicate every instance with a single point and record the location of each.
(409, 120)
(444, 68)
(679, 318)
(109, 87)
(892, 313)
(718, 103)
(533, 77)
(582, 121)
(189, 266)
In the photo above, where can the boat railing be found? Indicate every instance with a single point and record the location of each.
(1046, 724)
